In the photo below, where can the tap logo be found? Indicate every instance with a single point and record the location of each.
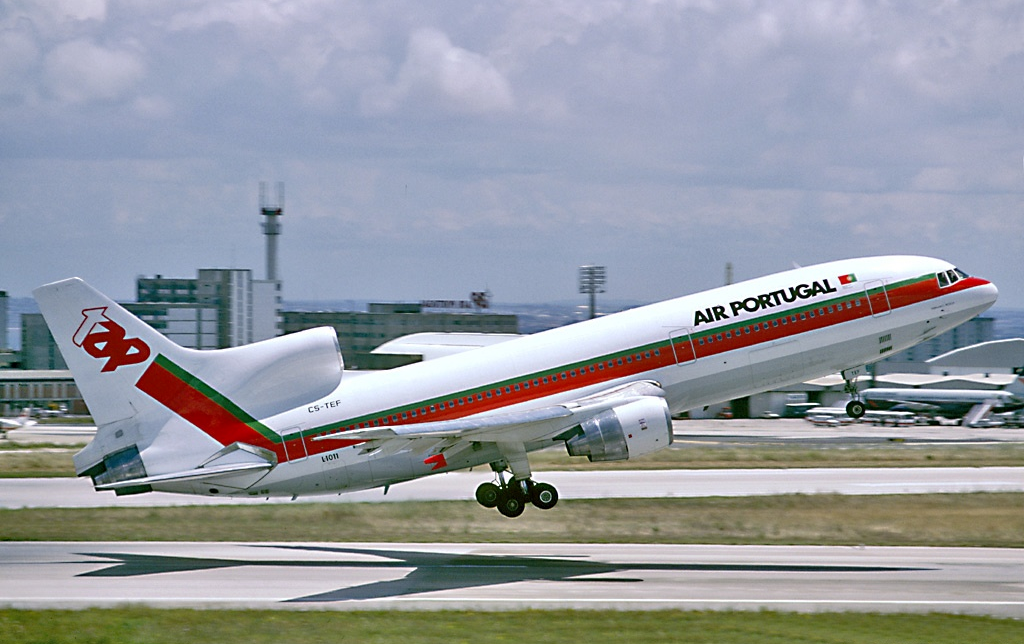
(102, 338)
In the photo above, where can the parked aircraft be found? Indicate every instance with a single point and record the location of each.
(23, 420)
(279, 418)
(950, 403)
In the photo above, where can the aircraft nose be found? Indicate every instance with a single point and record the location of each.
(982, 296)
(989, 292)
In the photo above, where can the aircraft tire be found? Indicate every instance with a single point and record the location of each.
(487, 495)
(511, 505)
(543, 495)
(855, 409)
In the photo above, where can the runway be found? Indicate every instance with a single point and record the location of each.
(340, 576)
(512, 576)
(455, 486)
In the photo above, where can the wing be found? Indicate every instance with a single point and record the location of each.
(513, 431)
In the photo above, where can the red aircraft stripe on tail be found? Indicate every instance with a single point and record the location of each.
(189, 403)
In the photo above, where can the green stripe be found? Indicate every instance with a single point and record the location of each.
(218, 399)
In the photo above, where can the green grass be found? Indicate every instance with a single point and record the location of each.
(892, 454)
(982, 519)
(154, 626)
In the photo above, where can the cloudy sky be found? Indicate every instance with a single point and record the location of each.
(433, 149)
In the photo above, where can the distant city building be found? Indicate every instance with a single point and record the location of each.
(359, 333)
(3, 321)
(220, 308)
(38, 350)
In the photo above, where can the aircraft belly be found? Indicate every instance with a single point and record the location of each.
(719, 378)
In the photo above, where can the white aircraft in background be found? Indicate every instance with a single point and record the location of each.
(278, 417)
(23, 420)
(971, 404)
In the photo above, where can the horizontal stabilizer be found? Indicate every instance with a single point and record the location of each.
(199, 473)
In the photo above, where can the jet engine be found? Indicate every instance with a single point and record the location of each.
(623, 432)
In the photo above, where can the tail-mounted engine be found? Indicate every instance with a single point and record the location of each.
(627, 431)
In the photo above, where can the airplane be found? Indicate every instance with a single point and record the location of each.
(282, 417)
(23, 420)
(948, 402)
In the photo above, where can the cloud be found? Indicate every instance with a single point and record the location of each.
(658, 137)
(80, 71)
(437, 71)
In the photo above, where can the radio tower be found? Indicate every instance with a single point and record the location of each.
(271, 226)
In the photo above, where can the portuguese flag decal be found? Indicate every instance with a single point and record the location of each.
(849, 278)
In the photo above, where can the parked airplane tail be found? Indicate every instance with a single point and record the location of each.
(167, 413)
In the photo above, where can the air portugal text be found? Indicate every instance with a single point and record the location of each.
(763, 301)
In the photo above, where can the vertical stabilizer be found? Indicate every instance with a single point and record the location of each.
(162, 409)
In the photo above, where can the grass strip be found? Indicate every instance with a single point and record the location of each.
(156, 626)
(975, 520)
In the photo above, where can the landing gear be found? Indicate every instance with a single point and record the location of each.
(511, 498)
(487, 495)
(511, 502)
(855, 408)
(543, 495)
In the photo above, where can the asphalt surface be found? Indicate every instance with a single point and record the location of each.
(455, 486)
(339, 576)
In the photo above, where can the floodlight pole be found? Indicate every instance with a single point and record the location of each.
(592, 281)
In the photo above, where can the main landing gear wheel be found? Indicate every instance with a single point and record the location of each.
(487, 495)
(543, 495)
(511, 503)
(855, 409)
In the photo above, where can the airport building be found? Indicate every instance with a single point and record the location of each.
(359, 333)
(220, 308)
(39, 389)
(38, 350)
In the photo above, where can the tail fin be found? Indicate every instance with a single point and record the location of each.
(162, 409)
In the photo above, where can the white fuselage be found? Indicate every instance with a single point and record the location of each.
(702, 349)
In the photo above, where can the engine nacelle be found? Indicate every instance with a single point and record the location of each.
(627, 431)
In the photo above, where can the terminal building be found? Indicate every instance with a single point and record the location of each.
(360, 333)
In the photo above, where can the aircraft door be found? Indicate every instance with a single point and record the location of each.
(682, 346)
(294, 444)
(878, 298)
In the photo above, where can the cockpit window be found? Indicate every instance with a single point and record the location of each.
(950, 277)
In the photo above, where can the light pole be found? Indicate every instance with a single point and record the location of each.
(592, 281)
